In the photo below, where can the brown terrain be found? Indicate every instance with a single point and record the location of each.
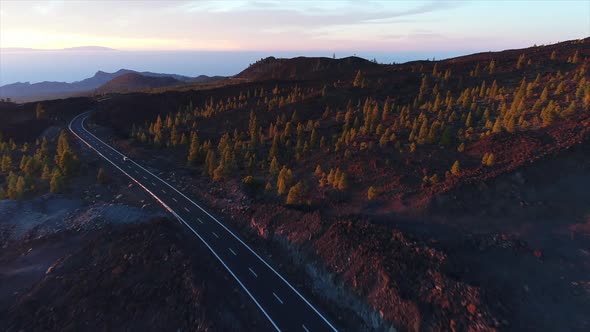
(447, 195)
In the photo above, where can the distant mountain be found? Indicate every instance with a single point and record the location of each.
(136, 81)
(52, 90)
(302, 68)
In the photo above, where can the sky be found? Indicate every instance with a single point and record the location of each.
(222, 37)
(292, 25)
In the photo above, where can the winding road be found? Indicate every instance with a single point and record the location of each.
(284, 306)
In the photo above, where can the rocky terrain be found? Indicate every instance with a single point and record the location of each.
(107, 257)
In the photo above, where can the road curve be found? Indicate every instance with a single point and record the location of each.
(284, 306)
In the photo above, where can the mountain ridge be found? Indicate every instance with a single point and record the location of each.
(26, 91)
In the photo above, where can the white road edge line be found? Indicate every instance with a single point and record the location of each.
(183, 221)
(252, 271)
(277, 297)
(222, 225)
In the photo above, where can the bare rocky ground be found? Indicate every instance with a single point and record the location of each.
(107, 257)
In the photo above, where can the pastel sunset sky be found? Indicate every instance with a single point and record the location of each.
(292, 25)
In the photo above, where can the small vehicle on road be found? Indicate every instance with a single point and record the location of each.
(125, 159)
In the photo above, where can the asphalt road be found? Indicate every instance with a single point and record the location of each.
(284, 306)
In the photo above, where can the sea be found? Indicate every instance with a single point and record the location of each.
(74, 65)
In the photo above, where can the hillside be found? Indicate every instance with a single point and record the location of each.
(302, 68)
(25, 92)
(134, 81)
(359, 167)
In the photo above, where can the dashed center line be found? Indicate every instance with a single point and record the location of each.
(304, 328)
(174, 199)
(144, 177)
(201, 221)
(164, 191)
(187, 210)
(233, 252)
(217, 236)
(278, 298)
(254, 273)
(153, 184)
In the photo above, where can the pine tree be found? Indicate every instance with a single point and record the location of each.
(68, 163)
(461, 147)
(372, 193)
(342, 182)
(253, 129)
(295, 195)
(520, 61)
(56, 183)
(20, 187)
(274, 149)
(468, 120)
(358, 79)
(219, 171)
(559, 89)
(491, 159)
(42, 153)
(284, 180)
(492, 67)
(101, 177)
(423, 132)
(11, 180)
(318, 171)
(46, 173)
(39, 111)
(274, 167)
(268, 187)
(173, 136)
(63, 145)
(210, 163)
(455, 170)
(29, 168)
(497, 126)
(193, 151)
(6, 163)
(570, 110)
(330, 177)
(511, 124)
(544, 95)
(183, 139)
(313, 141)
